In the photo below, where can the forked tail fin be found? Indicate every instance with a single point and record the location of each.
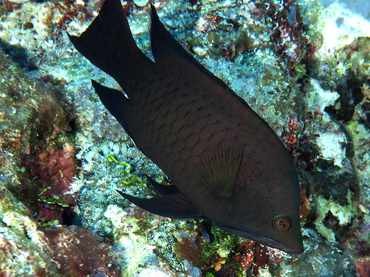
(108, 44)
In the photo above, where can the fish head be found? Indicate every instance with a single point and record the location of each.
(252, 192)
(270, 217)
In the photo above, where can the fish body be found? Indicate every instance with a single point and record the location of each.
(224, 161)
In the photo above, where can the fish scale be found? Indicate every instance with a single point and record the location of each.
(225, 162)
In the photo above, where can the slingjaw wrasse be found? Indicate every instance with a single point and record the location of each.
(225, 162)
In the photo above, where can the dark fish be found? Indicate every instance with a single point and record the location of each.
(225, 162)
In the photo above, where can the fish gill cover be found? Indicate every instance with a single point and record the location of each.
(225, 162)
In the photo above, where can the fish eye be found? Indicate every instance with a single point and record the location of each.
(281, 223)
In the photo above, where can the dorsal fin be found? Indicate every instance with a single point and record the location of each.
(219, 166)
(166, 49)
(162, 42)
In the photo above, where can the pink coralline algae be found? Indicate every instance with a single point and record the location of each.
(80, 252)
(53, 170)
(254, 256)
(356, 245)
(363, 266)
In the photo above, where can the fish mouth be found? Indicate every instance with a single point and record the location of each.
(291, 249)
(275, 244)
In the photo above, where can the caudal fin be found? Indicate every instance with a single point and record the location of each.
(108, 44)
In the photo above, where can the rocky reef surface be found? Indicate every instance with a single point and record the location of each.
(304, 66)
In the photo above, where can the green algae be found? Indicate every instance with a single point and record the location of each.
(128, 177)
(224, 243)
(54, 199)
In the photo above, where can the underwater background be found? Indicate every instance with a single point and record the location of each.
(304, 66)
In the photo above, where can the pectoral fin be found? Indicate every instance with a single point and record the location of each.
(218, 167)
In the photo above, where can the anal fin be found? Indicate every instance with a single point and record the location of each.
(174, 205)
(162, 189)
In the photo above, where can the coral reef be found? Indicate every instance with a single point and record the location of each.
(28, 250)
(164, 239)
(37, 167)
(303, 67)
(54, 170)
(23, 249)
(80, 252)
(107, 167)
(256, 257)
(36, 124)
(319, 259)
